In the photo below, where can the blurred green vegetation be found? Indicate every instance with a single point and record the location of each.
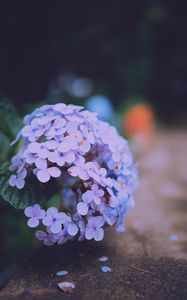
(124, 47)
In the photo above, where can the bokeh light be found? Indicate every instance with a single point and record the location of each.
(101, 105)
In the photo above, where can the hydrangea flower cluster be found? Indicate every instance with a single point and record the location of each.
(90, 164)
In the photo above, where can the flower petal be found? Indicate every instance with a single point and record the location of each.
(66, 286)
(98, 234)
(20, 183)
(106, 269)
(28, 211)
(103, 258)
(61, 273)
(54, 172)
(88, 196)
(41, 163)
(34, 147)
(33, 222)
(82, 208)
(12, 180)
(89, 233)
(72, 229)
(56, 227)
(41, 235)
(43, 176)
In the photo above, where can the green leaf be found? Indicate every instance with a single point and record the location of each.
(4, 147)
(33, 191)
(10, 123)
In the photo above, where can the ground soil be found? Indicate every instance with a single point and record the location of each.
(148, 261)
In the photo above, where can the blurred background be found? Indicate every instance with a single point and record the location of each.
(125, 59)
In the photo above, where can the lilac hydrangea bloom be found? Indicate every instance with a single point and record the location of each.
(91, 167)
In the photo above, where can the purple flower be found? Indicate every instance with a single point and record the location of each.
(87, 134)
(82, 229)
(82, 207)
(51, 144)
(64, 109)
(71, 227)
(48, 239)
(80, 171)
(121, 156)
(97, 194)
(113, 200)
(78, 142)
(110, 215)
(64, 237)
(58, 128)
(120, 226)
(81, 225)
(34, 130)
(34, 213)
(93, 228)
(115, 166)
(18, 180)
(75, 118)
(17, 162)
(72, 127)
(40, 149)
(44, 173)
(122, 187)
(54, 219)
(60, 158)
(29, 157)
(98, 174)
(29, 132)
(94, 194)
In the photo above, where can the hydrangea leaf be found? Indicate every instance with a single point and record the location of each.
(4, 147)
(20, 199)
(10, 123)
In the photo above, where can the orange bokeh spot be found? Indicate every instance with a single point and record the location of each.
(138, 119)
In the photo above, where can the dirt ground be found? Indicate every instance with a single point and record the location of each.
(148, 261)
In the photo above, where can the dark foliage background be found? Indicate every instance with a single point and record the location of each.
(126, 47)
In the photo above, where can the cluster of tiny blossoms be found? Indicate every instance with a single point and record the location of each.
(89, 162)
